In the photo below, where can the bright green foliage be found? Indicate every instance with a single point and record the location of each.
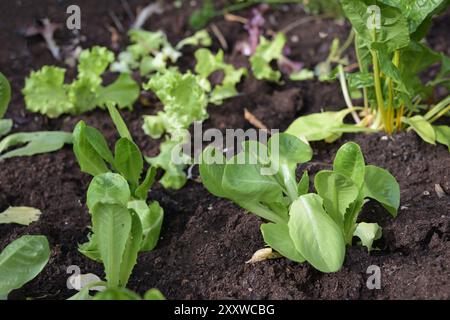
(302, 226)
(32, 143)
(391, 58)
(149, 52)
(117, 201)
(174, 176)
(208, 63)
(185, 101)
(45, 91)
(200, 38)
(328, 126)
(443, 135)
(21, 261)
(123, 224)
(125, 294)
(266, 52)
(122, 227)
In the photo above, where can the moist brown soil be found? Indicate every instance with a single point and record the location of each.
(205, 241)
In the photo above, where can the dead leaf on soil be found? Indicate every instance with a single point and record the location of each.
(264, 254)
(439, 191)
(20, 215)
(250, 117)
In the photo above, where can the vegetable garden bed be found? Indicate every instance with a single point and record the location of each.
(205, 240)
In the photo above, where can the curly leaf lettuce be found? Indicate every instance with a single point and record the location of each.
(266, 52)
(208, 63)
(184, 100)
(149, 52)
(45, 91)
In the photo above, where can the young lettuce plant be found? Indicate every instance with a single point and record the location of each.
(207, 64)
(45, 91)
(302, 226)
(21, 261)
(117, 178)
(123, 224)
(29, 143)
(269, 51)
(151, 52)
(185, 100)
(391, 57)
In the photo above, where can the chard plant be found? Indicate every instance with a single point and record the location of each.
(391, 56)
(123, 224)
(303, 226)
(46, 92)
(21, 261)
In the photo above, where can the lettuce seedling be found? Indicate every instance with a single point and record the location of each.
(21, 261)
(123, 224)
(303, 226)
(185, 100)
(29, 143)
(266, 52)
(207, 64)
(269, 51)
(45, 91)
(151, 52)
(391, 57)
(117, 179)
(121, 228)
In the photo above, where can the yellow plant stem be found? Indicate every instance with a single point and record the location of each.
(440, 114)
(378, 90)
(391, 110)
(400, 113)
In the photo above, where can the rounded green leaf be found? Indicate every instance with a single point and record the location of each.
(88, 158)
(337, 192)
(315, 235)
(128, 160)
(154, 294)
(108, 188)
(319, 126)
(245, 181)
(277, 237)
(112, 224)
(212, 168)
(423, 128)
(382, 186)
(21, 261)
(117, 294)
(290, 149)
(349, 162)
(368, 233)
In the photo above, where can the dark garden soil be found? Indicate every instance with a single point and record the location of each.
(206, 241)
